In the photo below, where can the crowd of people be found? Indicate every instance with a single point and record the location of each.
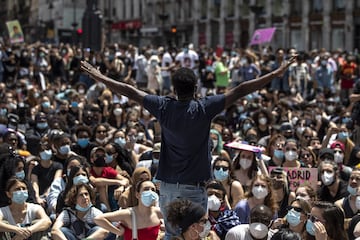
(166, 143)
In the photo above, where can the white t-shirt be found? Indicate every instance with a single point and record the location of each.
(187, 59)
(88, 218)
(31, 214)
(166, 61)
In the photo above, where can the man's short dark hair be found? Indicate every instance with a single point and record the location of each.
(184, 81)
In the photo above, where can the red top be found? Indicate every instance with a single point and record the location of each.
(148, 233)
(107, 172)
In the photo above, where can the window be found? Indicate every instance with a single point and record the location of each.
(339, 5)
(296, 39)
(203, 9)
(317, 6)
(295, 7)
(245, 10)
(230, 8)
(277, 7)
(216, 8)
(337, 38)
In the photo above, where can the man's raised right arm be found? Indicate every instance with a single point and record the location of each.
(119, 88)
(255, 84)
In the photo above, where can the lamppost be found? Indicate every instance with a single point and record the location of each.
(109, 21)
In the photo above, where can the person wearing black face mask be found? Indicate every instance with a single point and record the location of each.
(259, 227)
(106, 179)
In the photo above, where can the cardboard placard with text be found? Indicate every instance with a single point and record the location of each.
(300, 176)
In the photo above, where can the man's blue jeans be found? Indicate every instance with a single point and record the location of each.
(70, 235)
(170, 192)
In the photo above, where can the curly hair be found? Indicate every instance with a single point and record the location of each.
(183, 213)
(269, 200)
(71, 196)
(184, 82)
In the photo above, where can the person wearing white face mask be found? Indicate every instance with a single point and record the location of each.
(147, 214)
(222, 171)
(220, 216)
(245, 168)
(261, 193)
(263, 120)
(339, 157)
(348, 203)
(258, 227)
(291, 154)
(333, 188)
(191, 220)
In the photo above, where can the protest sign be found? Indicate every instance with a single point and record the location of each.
(15, 31)
(300, 176)
(263, 35)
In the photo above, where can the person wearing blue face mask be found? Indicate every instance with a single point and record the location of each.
(146, 210)
(44, 173)
(348, 203)
(57, 187)
(77, 221)
(296, 217)
(222, 171)
(275, 150)
(83, 145)
(23, 220)
(61, 146)
(14, 166)
(326, 221)
(341, 134)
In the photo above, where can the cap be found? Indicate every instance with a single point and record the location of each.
(337, 144)
(95, 149)
(286, 126)
(157, 148)
(326, 151)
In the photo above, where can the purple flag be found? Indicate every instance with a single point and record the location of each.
(262, 35)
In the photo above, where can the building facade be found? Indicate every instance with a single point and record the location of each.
(305, 24)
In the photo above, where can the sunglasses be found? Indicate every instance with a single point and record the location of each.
(305, 155)
(203, 220)
(314, 219)
(223, 168)
(297, 209)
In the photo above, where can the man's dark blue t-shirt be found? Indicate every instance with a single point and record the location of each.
(185, 126)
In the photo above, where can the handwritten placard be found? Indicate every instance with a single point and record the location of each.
(300, 176)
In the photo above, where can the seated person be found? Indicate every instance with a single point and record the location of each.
(20, 219)
(106, 179)
(220, 216)
(77, 221)
(258, 228)
(128, 197)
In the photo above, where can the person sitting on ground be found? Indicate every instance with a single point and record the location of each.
(20, 219)
(146, 216)
(258, 227)
(77, 221)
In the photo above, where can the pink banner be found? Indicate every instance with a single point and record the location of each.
(263, 35)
